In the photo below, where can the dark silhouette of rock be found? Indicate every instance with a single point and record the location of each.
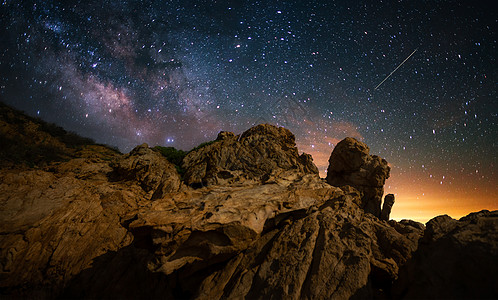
(264, 153)
(99, 224)
(351, 164)
(387, 205)
(454, 260)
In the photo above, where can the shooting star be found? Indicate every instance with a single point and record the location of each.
(395, 69)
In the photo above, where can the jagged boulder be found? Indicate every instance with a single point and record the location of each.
(351, 164)
(264, 153)
(456, 259)
(150, 169)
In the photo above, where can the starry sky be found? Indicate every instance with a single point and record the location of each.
(175, 73)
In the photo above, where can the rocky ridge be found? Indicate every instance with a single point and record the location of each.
(250, 219)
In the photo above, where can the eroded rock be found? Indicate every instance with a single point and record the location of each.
(351, 164)
(303, 240)
(150, 169)
(99, 224)
(264, 153)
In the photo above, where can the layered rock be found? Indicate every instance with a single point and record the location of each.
(100, 224)
(303, 240)
(454, 260)
(351, 164)
(60, 217)
(56, 221)
(264, 153)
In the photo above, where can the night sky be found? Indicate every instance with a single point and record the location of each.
(175, 73)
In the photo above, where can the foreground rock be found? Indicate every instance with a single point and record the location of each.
(99, 224)
(351, 164)
(300, 240)
(58, 220)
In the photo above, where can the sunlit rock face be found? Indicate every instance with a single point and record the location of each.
(351, 164)
(95, 223)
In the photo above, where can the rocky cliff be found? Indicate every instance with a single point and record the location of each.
(250, 218)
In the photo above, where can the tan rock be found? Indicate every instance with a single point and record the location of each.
(104, 225)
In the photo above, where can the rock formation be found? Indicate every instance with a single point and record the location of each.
(251, 219)
(387, 206)
(263, 153)
(150, 170)
(351, 164)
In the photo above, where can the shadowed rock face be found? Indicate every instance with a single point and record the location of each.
(106, 225)
(351, 164)
(455, 260)
(264, 153)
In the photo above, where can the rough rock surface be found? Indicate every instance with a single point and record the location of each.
(263, 153)
(351, 164)
(455, 260)
(305, 240)
(98, 224)
(150, 169)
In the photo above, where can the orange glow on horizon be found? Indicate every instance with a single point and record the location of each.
(419, 197)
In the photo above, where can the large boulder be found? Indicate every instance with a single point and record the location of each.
(264, 153)
(351, 164)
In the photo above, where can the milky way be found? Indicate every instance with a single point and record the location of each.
(176, 73)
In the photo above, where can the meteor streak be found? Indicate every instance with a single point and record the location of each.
(395, 69)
